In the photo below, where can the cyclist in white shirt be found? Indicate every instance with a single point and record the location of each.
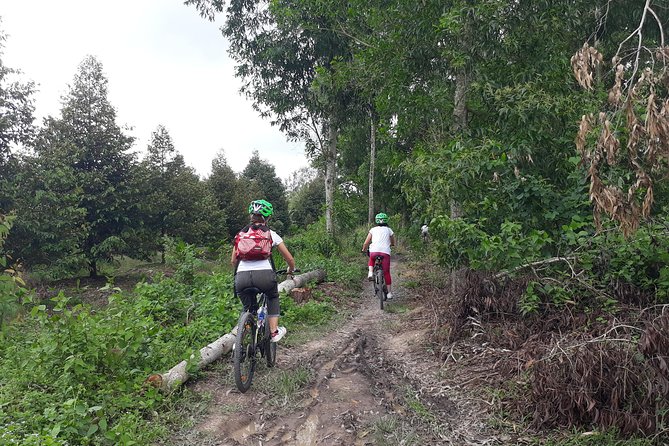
(379, 240)
(424, 232)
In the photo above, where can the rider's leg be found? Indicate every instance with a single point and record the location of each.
(266, 281)
(386, 269)
(244, 280)
(386, 273)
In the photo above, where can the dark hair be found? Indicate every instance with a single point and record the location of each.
(257, 218)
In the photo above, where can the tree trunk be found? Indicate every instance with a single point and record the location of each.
(460, 123)
(93, 268)
(162, 243)
(372, 162)
(460, 101)
(178, 374)
(330, 175)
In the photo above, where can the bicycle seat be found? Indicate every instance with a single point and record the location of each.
(253, 290)
(379, 257)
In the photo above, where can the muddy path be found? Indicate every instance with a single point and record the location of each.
(371, 381)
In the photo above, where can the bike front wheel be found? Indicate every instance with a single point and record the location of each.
(244, 357)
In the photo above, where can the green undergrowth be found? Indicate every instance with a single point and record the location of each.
(74, 374)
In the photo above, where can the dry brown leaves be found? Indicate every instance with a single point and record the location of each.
(584, 63)
(612, 380)
(579, 370)
(636, 118)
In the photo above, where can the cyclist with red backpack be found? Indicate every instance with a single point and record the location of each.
(252, 260)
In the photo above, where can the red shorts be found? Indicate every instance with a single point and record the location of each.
(385, 264)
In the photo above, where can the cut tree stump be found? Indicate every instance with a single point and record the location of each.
(301, 295)
(178, 374)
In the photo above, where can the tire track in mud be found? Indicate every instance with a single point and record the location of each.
(370, 375)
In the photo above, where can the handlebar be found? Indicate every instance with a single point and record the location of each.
(283, 272)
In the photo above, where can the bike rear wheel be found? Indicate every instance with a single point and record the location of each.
(269, 346)
(379, 285)
(244, 357)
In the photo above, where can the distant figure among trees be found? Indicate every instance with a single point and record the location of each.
(424, 232)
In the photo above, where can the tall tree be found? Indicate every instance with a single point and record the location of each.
(160, 154)
(263, 174)
(95, 147)
(231, 193)
(16, 125)
(306, 202)
(176, 203)
(280, 48)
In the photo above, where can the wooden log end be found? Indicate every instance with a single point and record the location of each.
(154, 380)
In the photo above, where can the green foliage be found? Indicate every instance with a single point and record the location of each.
(306, 203)
(609, 259)
(314, 239)
(10, 280)
(311, 313)
(458, 243)
(72, 374)
(16, 110)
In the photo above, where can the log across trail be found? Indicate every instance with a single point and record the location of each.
(178, 374)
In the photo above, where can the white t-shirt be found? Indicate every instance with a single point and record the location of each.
(424, 229)
(257, 265)
(380, 239)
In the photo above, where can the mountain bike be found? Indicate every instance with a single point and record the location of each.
(253, 340)
(380, 288)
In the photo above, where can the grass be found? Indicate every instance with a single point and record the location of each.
(390, 430)
(284, 387)
(396, 308)
(610, 438)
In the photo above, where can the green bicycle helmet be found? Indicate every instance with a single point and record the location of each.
(381, 218)
(261, 207)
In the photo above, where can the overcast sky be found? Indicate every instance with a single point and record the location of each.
(165, 65)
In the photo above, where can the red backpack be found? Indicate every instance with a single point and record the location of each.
(254, 242)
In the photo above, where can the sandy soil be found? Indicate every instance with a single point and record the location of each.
(372, 381)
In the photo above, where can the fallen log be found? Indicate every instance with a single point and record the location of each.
(301, 280)
(178, 374)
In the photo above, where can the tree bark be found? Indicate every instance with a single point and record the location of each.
(330, 175)
(372, 161)
(178, 374)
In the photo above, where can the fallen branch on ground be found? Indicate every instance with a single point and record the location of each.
(537, 263)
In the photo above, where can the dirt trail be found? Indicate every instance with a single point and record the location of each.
(369, 382)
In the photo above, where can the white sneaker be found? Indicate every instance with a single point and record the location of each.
(278, 334)
(370, 277)
(389, 296)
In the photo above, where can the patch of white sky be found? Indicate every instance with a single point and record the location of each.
(165, 65)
